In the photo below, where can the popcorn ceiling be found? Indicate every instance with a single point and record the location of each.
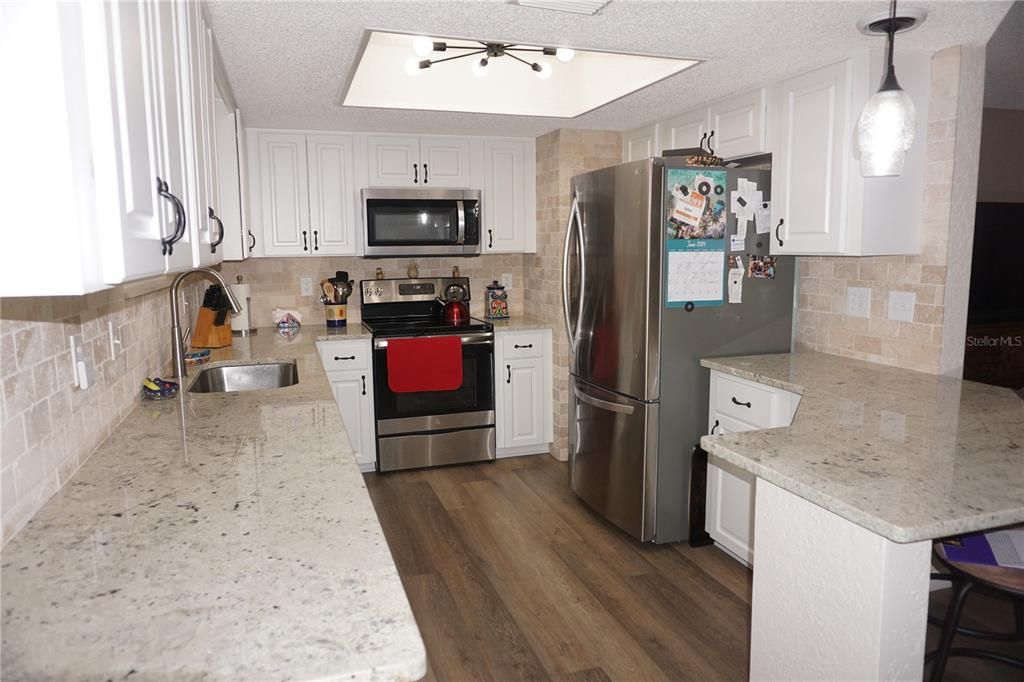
(288, 62)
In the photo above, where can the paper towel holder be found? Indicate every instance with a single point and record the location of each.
(241, 324)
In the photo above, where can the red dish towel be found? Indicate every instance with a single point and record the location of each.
(426, 364)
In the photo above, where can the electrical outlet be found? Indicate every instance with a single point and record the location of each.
(306, 286)
(506, 279)
(901, 305)
(858, 302)
(81, 362)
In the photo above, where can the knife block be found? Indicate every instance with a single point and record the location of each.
(209, 334)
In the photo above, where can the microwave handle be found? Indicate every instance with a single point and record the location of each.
(461, 205)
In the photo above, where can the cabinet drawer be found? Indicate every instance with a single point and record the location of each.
(522, 345)
(344, 355)
(743, 400)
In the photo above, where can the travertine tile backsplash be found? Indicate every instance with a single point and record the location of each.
(561, 154)
(48, 426)
(275, 282)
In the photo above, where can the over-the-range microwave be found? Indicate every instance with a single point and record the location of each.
(421, 222)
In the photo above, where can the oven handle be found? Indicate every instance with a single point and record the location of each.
(461, 205)
(467, 340)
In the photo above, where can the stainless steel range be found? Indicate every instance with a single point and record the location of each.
(429, 428)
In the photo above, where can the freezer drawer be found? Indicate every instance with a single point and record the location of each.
(613, 456)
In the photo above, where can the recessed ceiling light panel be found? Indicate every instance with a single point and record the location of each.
(398, 71)
(574, 6)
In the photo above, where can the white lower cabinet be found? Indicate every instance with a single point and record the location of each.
(729, 514)
(523, 392)
(353, 391)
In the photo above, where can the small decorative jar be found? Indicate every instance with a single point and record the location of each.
(497, 301)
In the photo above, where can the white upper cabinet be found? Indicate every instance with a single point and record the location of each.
(445, 162)
(737, 125)
(508, 197)
(332, 194)
(407, 161)
(394, 160)
(731, 127)
(145, 217)
(307, 194)
(284, 194)
(686, 130)
(640, 144)
(808, 172)
(821, 205)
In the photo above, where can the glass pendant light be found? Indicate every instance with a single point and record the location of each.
(885, 129)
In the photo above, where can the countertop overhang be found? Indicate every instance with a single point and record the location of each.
(214, 536)
(907, 455)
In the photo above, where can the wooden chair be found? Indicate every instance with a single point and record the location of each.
(995, 580)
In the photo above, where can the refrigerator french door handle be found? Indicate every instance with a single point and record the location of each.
(583, 276)
(565, 272)
(602, 404)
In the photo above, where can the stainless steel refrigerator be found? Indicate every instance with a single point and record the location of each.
(638, 396)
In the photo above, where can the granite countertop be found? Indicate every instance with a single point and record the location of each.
(214, 536)
(910, 456)
(518, 323)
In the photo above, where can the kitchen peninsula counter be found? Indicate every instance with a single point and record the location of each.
(214, 536)
(907, 455)
(877, 462)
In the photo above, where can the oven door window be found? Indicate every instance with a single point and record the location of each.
(476, 393)
(411, 222)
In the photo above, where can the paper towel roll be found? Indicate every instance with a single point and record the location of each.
(242, 322)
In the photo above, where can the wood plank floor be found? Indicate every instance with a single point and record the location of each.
(511, 577)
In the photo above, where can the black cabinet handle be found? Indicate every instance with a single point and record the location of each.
(777, 227)
(415, 172)
(490, 239)
(710, 150)
(509, 368)
(736, 402)
(252, 240)
(713, 428)
(305, 244)
(703, 139)
(529, 345)
(167, 243)
(220, 224)
(425, 174)
(363, 377)
(316, 240)
(347, 357)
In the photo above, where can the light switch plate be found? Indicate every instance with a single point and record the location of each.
(306, 286)
(858, 301)
(901, 305)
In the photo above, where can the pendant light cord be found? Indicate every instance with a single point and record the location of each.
(889, 81)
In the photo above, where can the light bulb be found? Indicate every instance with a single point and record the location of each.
(885, 131)
(422, 45)
(479, 67)
(565, 54)
(412, 66)
(544, 72)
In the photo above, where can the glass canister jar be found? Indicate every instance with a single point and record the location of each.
(497, 301)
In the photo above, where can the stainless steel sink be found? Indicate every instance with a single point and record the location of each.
(246, 377)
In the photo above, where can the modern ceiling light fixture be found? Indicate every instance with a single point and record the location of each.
(486, 51)
(885, 129)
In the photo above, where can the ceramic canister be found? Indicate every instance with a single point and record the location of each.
(336, 314)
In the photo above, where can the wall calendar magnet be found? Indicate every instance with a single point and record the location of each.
(694, 272)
